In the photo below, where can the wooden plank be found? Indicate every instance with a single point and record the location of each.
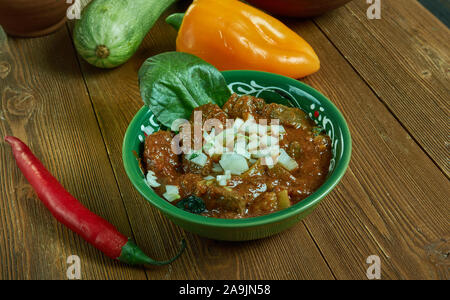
(393, 201)
(292, 255)
(386, 205)
(406, 63)
(44, 102)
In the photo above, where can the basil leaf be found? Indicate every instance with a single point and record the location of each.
(172, 84)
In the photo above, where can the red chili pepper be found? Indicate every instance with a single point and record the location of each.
(70, 212)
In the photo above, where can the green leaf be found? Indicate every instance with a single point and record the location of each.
(172, 84)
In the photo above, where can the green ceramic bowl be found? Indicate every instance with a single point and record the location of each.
(273, 88)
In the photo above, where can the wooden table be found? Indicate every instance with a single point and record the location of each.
(389, 77)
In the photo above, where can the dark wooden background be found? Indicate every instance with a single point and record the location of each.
(389, 77)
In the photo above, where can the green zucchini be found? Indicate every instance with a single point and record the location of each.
(110, 31)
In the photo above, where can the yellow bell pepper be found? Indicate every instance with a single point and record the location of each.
(232, 35)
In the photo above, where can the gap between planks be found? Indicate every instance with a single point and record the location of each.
(383, 102)
(357, 73)
(428, 56)
(77, 58)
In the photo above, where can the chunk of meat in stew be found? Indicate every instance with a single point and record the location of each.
(210, 112)
(242, 107)
(289, 116)
(158, 155)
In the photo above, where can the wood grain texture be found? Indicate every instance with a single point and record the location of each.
(45, 103)
(404, 58)
(393, 201)
(293, 254)
(357, 220)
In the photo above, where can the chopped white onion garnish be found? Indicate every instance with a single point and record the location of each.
(147, 129)
(210, 147)
(253, 138)
(207, 178)
(209, 137)
(268, 161)
(177, 124)
(238, 124)
(240, 148)
(225, 136)
(252, 146)
(217, 168)
(262, 130)
(243, 143)
(248, 117)
(286, 161)
(151, 179)
(198, 158)
(223, 179)
(222, 182)
(172, 189)
(268, 140)
(249, 126)
(275, 151)
(262, 153)
(277, 129)
(233, 162)
(252, 161)
(171, 193)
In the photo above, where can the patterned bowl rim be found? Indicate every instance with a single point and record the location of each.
(136, 177)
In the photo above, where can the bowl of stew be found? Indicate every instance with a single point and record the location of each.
(233, 194)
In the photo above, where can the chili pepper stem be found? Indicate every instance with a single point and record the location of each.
(70, 212)
(133, 255)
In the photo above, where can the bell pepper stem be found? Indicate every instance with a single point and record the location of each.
(133, 255)
(175, 20)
